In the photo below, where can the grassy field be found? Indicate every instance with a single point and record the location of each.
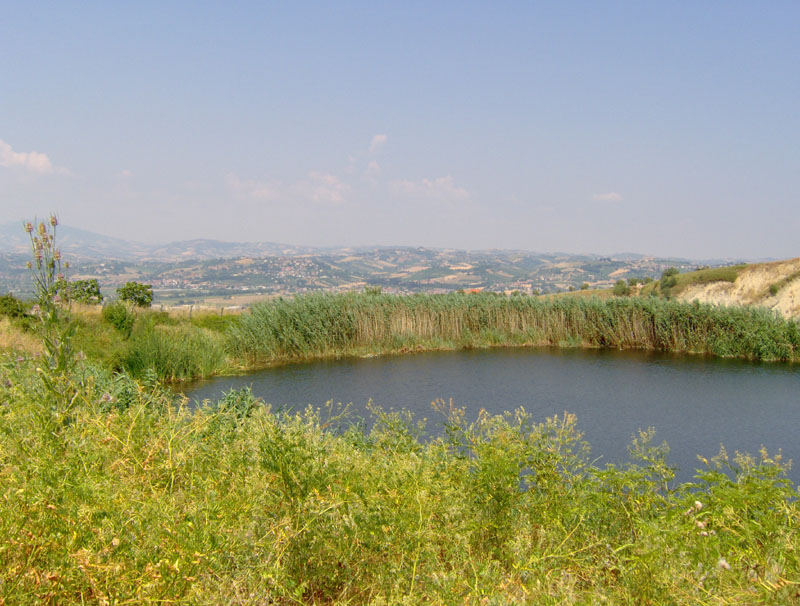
(113, 491)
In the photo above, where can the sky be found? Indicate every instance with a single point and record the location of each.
(669, 128)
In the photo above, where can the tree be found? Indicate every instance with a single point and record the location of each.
(668, 279)
(140, 295)
(83, 291)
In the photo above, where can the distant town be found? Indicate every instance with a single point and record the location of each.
(224, 274)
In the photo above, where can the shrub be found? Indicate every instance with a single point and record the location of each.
(140, 295)
(120, 317)
(621, 289)
(84, 291)
(12, 307)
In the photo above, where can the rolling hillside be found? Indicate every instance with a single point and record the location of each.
(774, 285)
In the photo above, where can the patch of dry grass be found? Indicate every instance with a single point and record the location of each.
(14, 338)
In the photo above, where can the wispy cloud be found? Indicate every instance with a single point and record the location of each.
(440, 188)
(319, 188)
(611, 196)
(35, 162)
(323, 188)
(378, 141)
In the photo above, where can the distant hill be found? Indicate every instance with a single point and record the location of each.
(239, 272)
(83, 245)
(78, 244)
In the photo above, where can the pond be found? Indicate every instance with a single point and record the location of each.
(695, 403)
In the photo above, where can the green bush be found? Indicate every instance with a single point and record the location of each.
(140, 295)
(12, 307)
(621, 289)
(120, 317)
(82, 291)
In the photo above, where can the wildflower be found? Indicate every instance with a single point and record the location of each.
(20, 359)
(106, 397)
(698, 505)
(36, 310)
(42, 229)
(53, 220)
(700, 524)
(723, 563)
(28, 227)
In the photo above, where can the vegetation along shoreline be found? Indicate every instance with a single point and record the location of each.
(114, 490)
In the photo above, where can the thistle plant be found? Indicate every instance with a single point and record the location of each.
(54, 325)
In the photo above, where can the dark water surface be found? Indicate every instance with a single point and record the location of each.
(695, 403)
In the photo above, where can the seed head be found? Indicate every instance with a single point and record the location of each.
(53, 220)
(28, 226)
(723, 563)
(42, 228)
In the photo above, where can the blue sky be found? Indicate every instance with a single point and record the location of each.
(660, 128)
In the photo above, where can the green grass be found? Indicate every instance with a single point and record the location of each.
(174, 353)
(776, 287)
(116, 492)
(683, 281)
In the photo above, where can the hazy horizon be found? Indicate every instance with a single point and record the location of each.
(665, 130)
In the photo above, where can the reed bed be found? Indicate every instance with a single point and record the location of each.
(320, 325)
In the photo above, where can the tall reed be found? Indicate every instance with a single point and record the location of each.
(319, 325)
(174, 353)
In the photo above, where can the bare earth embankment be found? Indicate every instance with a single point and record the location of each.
(773, 285)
